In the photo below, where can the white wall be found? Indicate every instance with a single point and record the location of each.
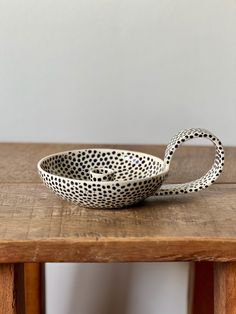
(116, 71)
(75, 70)
(117, 288)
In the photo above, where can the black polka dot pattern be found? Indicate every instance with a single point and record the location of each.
(106, 178)
(135, 176)
(203, 182)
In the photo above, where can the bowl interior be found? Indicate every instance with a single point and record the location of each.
(127, 165)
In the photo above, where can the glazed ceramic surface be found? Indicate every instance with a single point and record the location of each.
(108, 178)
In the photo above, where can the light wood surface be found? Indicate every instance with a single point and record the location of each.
(34, 223)
(225, 288)
(37, 226)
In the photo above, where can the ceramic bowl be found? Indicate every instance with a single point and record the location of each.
(112, 178)
(134, 176)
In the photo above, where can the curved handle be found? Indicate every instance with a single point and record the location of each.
(208, 178)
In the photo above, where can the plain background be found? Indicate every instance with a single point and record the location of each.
(118, 71)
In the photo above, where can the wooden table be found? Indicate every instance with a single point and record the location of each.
(37, 227)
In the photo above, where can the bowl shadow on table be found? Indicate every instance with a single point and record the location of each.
(160, 202)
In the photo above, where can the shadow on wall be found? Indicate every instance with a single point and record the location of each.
(129, 288)
(100, 289)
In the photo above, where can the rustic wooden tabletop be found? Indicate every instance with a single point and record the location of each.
(37, 226)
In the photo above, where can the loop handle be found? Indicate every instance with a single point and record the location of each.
(206, 180)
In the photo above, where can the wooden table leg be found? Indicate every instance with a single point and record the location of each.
(34, 288)
(225, 288)
(8, 303)
(21, 288)
(201, 288)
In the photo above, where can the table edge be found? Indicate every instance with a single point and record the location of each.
(101, 250)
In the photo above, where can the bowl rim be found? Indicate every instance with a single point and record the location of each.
(163, 172)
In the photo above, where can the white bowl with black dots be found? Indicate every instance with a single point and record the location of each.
(113, 178)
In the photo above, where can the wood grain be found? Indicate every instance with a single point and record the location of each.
(19, 289)
(7, 289)
(202, 288)
(34, 288)
(225, 288)
(36, 226)
(32, 212)
(118, 250)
